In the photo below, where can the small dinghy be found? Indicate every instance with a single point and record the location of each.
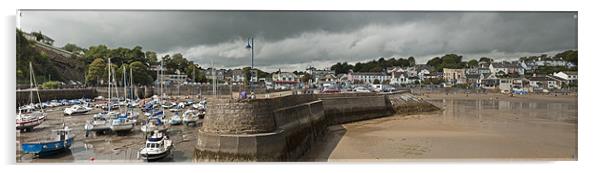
(27, 121)
(157, 146)
(201, 105)
(168, 105)
(190, 117)
(76, 109)
(155, 114)
(122, 124)
(175, 119)
(153, 124)
(60, 142)
(177, 108)
(99, 123)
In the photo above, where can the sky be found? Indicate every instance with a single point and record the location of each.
(294, 40)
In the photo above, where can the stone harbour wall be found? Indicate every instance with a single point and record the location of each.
(259, 130)
(23, 96)
(284, 128)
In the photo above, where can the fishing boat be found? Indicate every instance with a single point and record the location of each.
(155, 114)
(175, 119)
(60, 142)
(188, 102)
(190, 117)
(177, 108)
(153, 124)
(201, 105)
(168, 105)
(99, 123)
(77, 109)
(132, 103)
(157, 146)
(113, 105)
(28, 117)
(122, 124)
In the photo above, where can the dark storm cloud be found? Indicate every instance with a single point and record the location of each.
(293, 40)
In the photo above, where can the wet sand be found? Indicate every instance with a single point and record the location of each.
(104, 148)
(474, 127)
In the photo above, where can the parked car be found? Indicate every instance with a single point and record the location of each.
(361, 90)
(330, 90)
(387, 88)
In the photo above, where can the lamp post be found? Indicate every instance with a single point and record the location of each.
(251, 45)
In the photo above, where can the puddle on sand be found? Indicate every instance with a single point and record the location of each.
(491, 109)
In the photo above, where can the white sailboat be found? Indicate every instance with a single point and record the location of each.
(156, 123)
(190, 117)
(29, 118)
(123, 123)
(101, 122)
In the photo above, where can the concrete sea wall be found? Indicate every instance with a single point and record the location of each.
(259, 130)
(284, 128)
(344, 108)
(23, 96)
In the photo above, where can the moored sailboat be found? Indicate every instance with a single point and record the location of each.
(28, 117)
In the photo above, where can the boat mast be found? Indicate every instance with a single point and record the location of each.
(124, 84)
(131, 83)
(161, 81)
(115, 84)
(109, 94)
(34, 86)
(30, 84)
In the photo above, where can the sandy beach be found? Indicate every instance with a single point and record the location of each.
(473, 127)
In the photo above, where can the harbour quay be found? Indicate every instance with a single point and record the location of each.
(284, 128)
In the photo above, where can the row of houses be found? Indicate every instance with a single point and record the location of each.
(506, 76)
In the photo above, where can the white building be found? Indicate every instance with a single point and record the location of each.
(569, 76)
(318, 75)
(369, 77)
(454, 76)
(285, 80)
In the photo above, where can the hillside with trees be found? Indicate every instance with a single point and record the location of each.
(89, 65)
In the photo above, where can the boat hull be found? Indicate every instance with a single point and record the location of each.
(90, 127)
(46, 147)
(76, 112)
(155, 156)
(148, 129)
(29, 124)
(122, 127)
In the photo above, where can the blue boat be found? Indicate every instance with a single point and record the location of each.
(62, 141)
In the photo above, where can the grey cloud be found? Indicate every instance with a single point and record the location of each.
(297, 39)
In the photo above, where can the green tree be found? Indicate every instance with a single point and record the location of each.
(411, 61)
(569, 55)
(151, 58)
(73, 48)
(341, 68)
(51, 85)
(93, 52)
(96, 71)
(472, 63)
(119, 73)
(141, 73)
(486, 60)
(193, 71)
(42, 66)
